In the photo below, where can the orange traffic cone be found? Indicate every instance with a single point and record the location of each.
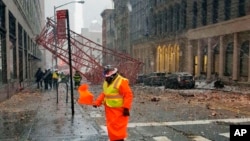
(85, 97)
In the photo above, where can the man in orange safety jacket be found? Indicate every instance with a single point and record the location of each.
(117, 99)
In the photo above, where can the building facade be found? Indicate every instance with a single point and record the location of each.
(209, 37)
(20, 56)
(108, 34)
(121, 26)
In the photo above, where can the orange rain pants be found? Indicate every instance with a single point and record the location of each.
(115, 121)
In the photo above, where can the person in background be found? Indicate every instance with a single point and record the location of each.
(50, 78)
(47, 79)
(55, 77)
(77, 79)
(117, 99)
(39, 76)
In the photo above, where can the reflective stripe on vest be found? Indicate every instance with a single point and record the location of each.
(111, 92)
(77, 78)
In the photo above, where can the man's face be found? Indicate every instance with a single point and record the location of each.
(109, 79)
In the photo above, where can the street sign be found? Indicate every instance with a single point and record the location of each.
(61, 24)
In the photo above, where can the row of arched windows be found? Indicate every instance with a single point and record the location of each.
(167, 58)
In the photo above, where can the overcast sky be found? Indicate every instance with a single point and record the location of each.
(81, 15)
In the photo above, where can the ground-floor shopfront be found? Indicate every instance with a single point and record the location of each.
(220, 49)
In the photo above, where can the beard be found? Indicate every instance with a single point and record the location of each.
(111, 78)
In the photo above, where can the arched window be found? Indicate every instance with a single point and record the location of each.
(244, 55)
(241, 8)
(229, 60)
(227, 9)
(215, 11)
(195, 14)
(204, 12)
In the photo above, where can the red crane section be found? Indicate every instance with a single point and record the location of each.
(87, 56)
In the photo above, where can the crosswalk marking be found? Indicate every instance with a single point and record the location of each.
(237, 120)
(225, 134)
(199, 138)
(161, 138)
(195, 138)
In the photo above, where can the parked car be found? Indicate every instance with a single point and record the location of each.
(155, 79)
(140, 78)
(182, 80)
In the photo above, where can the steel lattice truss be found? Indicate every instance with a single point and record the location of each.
(87, 56)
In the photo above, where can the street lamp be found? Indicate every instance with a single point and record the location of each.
(56, 7)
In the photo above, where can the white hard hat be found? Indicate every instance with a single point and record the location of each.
(110, 71)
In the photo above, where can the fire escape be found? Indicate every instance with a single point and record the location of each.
(87, 56)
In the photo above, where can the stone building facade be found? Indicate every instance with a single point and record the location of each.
(108, 34)
(209, 37)
(20, 22)
(121, 26)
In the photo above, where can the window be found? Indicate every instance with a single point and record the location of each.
(184, 13)
(171, 17)
(166, 21)
(3, 59)
(204, 12)
(13, 57)
(177, 10)
(26, 54)
(2, 15)
(227, 8)
(195, 14)
(244, 53)
(229, 60)
(215, 11)
(241, 8)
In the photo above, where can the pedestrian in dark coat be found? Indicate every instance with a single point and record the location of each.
(39, 76)
(45, 79)
(50, 78)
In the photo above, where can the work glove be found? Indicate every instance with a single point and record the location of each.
(125, 112)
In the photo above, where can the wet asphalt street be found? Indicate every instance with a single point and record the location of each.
(157, 115)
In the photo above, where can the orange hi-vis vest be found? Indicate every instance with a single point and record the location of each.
(111, 92)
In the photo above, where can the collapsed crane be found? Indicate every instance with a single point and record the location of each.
(87, 56)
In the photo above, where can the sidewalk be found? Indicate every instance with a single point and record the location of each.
(53, 121)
